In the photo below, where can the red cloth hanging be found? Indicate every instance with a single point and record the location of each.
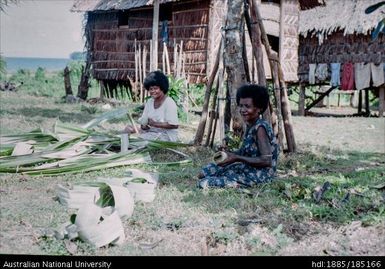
(347, 81)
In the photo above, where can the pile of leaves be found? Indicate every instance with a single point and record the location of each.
(73, 149)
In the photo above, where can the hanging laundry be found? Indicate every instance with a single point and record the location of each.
(322, 72)
(335, 77)
(312, 73)
(347, 81)
(164, 31)
(377, 74)
(362, 75)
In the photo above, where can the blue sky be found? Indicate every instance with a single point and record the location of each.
(40, 28)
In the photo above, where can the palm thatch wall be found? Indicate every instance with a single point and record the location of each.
(339, 32)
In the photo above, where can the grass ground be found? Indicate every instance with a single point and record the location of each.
(280, 218)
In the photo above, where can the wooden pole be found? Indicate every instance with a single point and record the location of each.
(301, 101)
(163, 60)
(286, 111)
(381, 101)
(367, 107)
(167, 60)
(67, 81)
(175, 57)
(155, 29)
(220, 111)
(255, 37)
(244, 56)
(144, 62)
(136, 71)
(213, 115)
(359, 101)
(277, 98)
(140, 74)
(256, 31)
(202, 123)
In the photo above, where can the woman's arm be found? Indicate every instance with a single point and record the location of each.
(164, 125)
(264, 147)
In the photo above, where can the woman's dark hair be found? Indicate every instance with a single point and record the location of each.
(258, 94)
(156, 78)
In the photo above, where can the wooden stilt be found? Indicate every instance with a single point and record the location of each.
(301, 101)
(359, 101)
(381, 103)
(367, 105)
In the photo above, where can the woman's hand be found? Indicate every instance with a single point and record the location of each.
(151, 122)
(231, 158)
(128, 129)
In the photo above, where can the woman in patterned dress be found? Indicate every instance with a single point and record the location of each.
(256, 160)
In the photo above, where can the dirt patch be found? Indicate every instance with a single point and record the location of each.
(350, 240)
(347, 134)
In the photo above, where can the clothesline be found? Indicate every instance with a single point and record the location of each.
(351, 77)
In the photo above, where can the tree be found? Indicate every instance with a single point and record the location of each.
(233, 60)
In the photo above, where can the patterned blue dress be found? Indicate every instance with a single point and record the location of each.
(240, 174)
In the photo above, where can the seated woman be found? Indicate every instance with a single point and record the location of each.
(256, 160)
(159, 120)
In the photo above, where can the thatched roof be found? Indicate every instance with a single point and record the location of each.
(307, 4)
(103, 5)
(339, 15)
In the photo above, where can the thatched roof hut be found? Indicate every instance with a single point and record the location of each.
(339, 32)
(115, 30)
(347, 16)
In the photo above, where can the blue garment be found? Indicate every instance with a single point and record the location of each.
(240, 174)
(335, 79)
(164, 31)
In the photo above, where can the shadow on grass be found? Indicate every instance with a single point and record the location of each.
(290, 200)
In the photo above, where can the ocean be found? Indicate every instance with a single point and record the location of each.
(49, 64)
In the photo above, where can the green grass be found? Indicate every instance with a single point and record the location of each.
(261, 221)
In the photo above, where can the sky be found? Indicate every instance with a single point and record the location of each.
(40, 28)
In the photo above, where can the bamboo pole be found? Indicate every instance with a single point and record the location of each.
(151, 55)
(155, 26)
(144, 60)
(136, 71)
(163, 60)
(140, 74)
(175, 57)
(167, 60)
